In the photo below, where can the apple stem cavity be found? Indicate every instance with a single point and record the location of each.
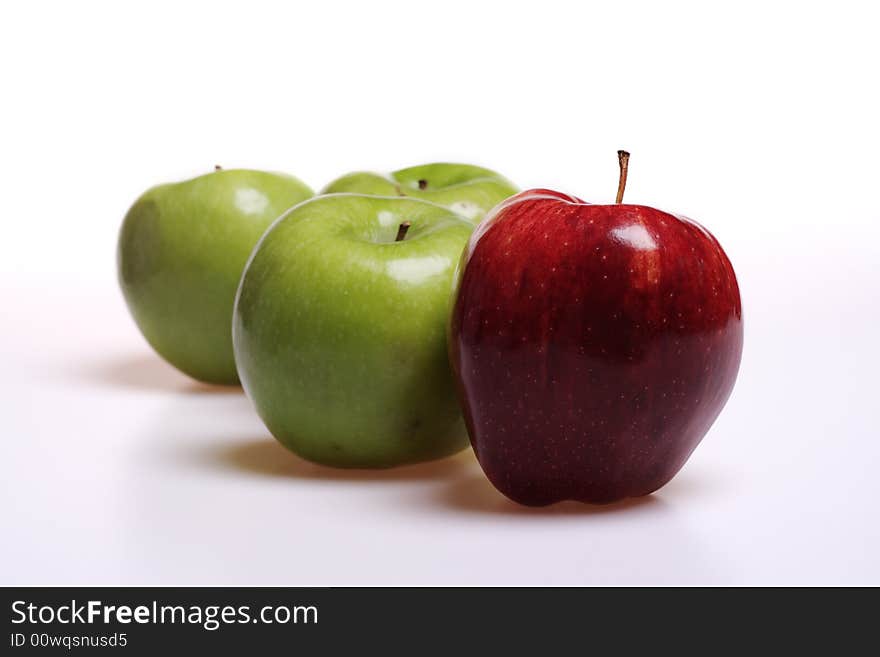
(401, 231)
(423, 183)
(623, 159)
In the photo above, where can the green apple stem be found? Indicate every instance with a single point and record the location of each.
(623, 159)
(401, 231)
(217, 167)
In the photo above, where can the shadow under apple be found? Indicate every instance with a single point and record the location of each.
(266, 457)
(473, 493)
(147, 373)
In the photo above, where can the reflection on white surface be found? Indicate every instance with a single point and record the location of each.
(250, 201)
(636, 236)
(416, 270)
(138, 468)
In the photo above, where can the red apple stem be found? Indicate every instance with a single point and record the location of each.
(623, 159)
(401, 231)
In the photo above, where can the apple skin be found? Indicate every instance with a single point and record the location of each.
(468, 190)
(181, 251)
(593, 345)
(340, 331)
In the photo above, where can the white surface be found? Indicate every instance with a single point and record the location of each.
(761, 123)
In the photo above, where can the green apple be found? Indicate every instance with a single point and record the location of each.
(181, 252)
(467, 190)
(339, 330)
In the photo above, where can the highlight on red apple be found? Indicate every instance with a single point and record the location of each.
(593, 345)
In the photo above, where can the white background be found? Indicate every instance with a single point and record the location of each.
(760, 121)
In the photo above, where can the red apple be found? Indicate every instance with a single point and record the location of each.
(594, 345)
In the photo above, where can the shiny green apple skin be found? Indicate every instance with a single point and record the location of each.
(181, 251)
(466, 189)
(339, 331)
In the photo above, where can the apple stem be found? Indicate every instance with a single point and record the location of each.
(401, 231)
(623, 159)
(217, 167)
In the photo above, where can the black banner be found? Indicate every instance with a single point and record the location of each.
(412, 621)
